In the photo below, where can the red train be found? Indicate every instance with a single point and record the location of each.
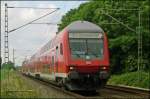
(77, 58)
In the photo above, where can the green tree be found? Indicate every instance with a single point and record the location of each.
(8, 65)
(122, 41)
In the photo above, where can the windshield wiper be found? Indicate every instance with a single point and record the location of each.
(94, 54)
(76, 53)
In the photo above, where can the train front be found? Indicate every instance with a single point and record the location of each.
(88, 58)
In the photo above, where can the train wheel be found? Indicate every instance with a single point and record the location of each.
(103, 83)
(37, 75)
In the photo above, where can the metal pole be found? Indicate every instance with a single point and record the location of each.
(0, 46)
(138, 31)
(0, 49)
(6, 46)
(140, 61)
(14, 56)
(139, 42)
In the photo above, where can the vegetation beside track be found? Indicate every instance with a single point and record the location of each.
(131, 79)
(13, 85)
(3, 74)
(122, 42)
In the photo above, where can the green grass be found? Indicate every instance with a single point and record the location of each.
(3, 74)
(14, 85)
(134, 79)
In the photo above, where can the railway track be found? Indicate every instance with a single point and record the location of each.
(54, 86)
(110, 91)
(127, 89)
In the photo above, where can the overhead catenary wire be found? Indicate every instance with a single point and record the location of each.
(121, 9)
(33, 20)
(6, 16)
(120, 22)
(138, 31)
(20, 27)
(32, 7)
(46, 23)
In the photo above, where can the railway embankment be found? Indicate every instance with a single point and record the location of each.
(134, 79)
(14, 85)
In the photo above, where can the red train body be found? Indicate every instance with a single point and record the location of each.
(76, 58)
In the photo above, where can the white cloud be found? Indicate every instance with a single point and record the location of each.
(28, 14)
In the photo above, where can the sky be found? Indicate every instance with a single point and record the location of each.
(28, 40)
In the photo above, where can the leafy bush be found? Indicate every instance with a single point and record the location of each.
(136, 79)
(8, 65)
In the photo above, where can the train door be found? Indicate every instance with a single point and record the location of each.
(56, 59)
(52, 68)
(52, 65)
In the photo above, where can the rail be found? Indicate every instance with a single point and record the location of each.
(127, 89)
(54, 86)
(138, 93)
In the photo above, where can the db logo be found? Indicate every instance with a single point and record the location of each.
(88, 62)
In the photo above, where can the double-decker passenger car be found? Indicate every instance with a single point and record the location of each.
(77, 58)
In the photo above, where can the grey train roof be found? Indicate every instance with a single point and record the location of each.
(83, 26)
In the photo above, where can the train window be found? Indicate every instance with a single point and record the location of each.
(95, 48)
(56, 58)
(61, 49)
(57, 51)
(52, 60)
(46, 68)
(85, 35)
(78, 48)
(86, 47)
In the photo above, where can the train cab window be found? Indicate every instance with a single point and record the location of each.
(95, 48)
(86, 45)
(61, 49)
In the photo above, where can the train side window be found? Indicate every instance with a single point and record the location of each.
(57, 52)
(52, 60)
(61, 49)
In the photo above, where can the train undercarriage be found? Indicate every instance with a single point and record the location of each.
(83, 81)
(78, 81)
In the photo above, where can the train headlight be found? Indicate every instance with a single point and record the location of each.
(103, 68)
(71, 68)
